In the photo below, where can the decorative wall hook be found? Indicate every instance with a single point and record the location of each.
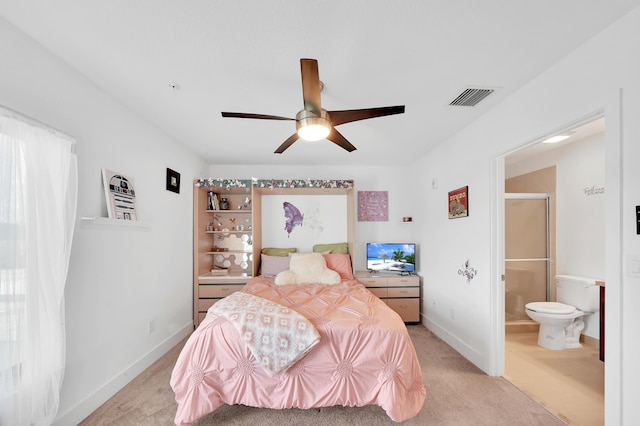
(468, 271)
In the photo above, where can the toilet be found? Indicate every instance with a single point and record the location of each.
(562, 322)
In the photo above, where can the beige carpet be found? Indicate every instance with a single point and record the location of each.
(458, 393)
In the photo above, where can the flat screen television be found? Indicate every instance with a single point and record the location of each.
(391, 257)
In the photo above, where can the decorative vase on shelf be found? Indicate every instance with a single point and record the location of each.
(224, 204)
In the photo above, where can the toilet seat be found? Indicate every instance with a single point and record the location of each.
(555, 308)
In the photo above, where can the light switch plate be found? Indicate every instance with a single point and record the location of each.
(633, 265)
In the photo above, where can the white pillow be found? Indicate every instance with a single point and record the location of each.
(307, 268)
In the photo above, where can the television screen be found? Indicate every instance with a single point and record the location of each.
(393, 257)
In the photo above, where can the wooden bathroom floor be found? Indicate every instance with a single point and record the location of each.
(569, 383)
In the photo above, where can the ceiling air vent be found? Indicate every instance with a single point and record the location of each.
(471, 97)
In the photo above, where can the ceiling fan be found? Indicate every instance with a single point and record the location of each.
(315, 123)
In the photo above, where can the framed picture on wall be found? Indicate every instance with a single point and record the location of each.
(173, 181)
(459, 203)
(373, 206)
(120, 194)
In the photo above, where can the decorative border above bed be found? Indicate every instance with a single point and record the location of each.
(222, 183)
(273, 183)
(302, 183)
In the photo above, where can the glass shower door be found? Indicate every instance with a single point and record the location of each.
(527, 252)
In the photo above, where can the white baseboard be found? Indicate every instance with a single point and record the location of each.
(452, 340)
(76, 414)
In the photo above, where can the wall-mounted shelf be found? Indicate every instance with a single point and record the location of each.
(244, 231)
(105, 221)
(229, 252)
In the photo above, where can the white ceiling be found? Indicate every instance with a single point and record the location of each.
(243, 56)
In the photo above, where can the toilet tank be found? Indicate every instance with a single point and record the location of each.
(581, 292)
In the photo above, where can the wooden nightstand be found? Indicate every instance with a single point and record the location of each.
(211, 289)
(400, 292)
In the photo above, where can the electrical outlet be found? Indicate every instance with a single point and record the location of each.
(151, 326)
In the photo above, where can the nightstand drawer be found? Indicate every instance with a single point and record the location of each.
(412, 281)
(403, 292)
(373, 281)
(381, 292)
(408, 309)
(205, 304)
(220, 290)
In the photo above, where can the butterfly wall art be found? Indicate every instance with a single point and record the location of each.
(293, 217)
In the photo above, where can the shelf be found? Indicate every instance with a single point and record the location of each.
(222, 277)
(230, 211)
(246, 231)
(229, 252)
(104, 221)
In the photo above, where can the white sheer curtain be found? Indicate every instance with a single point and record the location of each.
(38, 194)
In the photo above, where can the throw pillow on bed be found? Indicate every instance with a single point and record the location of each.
(341, 263)
(307, 268)
(270, 266)
(277, 251)
(336, 248)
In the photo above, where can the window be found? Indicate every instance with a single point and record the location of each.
(38, 184)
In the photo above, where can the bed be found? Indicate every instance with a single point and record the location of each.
(362, 354)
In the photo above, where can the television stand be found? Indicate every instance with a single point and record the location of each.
(400, 293)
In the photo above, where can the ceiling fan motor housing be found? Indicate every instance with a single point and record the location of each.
(309, 120)
(306, 118)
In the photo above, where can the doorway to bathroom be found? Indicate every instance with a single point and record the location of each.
(569, 383)
(527, 252)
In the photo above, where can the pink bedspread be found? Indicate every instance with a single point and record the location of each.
(364, 357)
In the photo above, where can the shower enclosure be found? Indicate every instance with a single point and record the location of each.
(527, 252)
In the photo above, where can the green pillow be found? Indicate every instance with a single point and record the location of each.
(337, 248)
(273, 251)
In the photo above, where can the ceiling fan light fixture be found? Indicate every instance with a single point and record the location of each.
(312, 127)
(313, 132)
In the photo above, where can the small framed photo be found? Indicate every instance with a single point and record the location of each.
(459, 203)
(173, 181)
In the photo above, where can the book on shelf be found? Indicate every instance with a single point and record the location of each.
(213, 202)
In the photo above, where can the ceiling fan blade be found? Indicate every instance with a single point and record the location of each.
(258, 116)
(310, 85)
(337, 138)
(349, 115)
(286, 144)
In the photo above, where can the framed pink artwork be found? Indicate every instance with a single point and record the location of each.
(373, 206)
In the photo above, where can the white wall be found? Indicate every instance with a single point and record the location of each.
(402, 196)
(602, 74)
(120, 278)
